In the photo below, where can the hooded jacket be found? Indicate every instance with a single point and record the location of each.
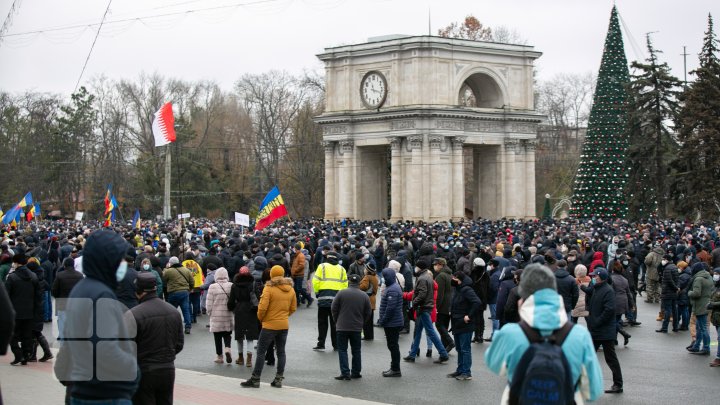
(277, 303)
(391, 302)
(115, 362)
(669, 282)
(465, 303)
(25, 293)
(652, 261)
(601, 305)
(221, 319)
(684, 284)
(545, 311)
(567, 288)
(701, 289)
(481, 284)
(596, 262)
(240, 302)
(507, 283)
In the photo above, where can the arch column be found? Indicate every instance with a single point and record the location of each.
(413, 179)
(346, 179)
(458, 178)
(396, 179)
(530, 145)
(330, 182)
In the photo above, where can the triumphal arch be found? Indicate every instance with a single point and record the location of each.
(429, 128)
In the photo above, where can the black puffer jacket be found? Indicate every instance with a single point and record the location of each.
(601, 305)
(670, 278)
(567, 288)
(683, 284)
(465, 302)
(159, 333)
(25, 293)
(63, 284)
(239, 302)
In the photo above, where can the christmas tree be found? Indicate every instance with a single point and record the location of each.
(602, 174)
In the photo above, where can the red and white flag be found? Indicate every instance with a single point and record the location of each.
(163, 126)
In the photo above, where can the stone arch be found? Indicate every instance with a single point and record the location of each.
(565, 201)
(487, 88)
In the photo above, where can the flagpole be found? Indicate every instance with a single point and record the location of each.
(168, 171)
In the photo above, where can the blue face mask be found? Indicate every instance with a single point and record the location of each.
(121, 271)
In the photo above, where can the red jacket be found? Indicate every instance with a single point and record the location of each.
(408, 296)
(597, 262)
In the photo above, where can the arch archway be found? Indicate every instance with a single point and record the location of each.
(481, 90)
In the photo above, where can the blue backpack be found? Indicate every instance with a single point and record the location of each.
(543, 376)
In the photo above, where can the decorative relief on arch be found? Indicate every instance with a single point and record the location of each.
(404, 124)
(335, 129)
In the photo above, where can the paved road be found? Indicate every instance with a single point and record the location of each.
(656, 369)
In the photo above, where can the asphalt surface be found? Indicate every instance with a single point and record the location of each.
(656, 367)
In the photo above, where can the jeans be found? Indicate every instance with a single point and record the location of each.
(300, 291)
(684, 314)
(354, 338)
(670, 308)
(156, 387)
(717, 330)
(611, 359)
(325, 319)
(462, 340)
(703, 336)
(181, 299)
(392, 335)
(423, 322)
(61, 316)
(194, 305)
(279, 337)
(78, 401)
(493, 316)
(442, 324)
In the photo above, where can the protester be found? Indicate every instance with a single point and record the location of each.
(277, 303)
(25, 293)
(443, 278)
(350, 308)
(701, 289)
(370, 284)
(543, 310)
(714, 306)
(179, 282)
(330, 277)
(221, 318)
(390, 318)
(244, 303)
(159, 338)
(465, 309)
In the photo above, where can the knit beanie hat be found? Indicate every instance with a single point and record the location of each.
(277, 271)
(536, 277)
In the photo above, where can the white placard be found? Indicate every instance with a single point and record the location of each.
(79, 215)
(242, 219)
(184, 216)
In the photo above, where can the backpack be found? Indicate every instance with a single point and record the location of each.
(543, 376)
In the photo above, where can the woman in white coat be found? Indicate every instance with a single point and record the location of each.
(221, 319)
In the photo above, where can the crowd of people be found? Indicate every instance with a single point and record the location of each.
(535, 280)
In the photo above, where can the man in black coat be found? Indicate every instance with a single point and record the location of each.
(567, 287)
(669, 294)
(602, 324)
(159, 338)
(465, 312)
(25, 293)
(61, 288)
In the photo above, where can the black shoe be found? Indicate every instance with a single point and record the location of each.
(252, 382)
(662, 331)
(488, 340)
(453, 374)
(428, 353)
(700, 352)
(635, 323)
(442, 360)
(270, 362)
(615, 389)
(32, 359)
(15, 362)
(366, 338)
(681, 328)
(391, 373)
(343, 378)
(187, 331)
(310, 302)
(409, 359)
(355, 376)
(450, 347)
(46, 357)
(335, 349)
(319, 348)
(675, 330)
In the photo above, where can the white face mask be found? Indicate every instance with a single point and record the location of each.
(664, 262)
(146, 266)
(716, 277)
(121, 271)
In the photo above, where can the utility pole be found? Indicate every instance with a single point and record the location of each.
(684, 55)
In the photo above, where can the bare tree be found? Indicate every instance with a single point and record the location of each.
(507, 35)
(471, 28)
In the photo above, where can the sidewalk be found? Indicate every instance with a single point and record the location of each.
(35, 384)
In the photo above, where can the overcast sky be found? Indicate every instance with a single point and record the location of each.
(261, 35)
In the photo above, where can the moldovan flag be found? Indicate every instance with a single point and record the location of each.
(30, 214)
(108, 202)
(27, 200)
(163, 126)
(272, 208)
(136, 220)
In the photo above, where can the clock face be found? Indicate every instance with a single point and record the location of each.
(373, 90)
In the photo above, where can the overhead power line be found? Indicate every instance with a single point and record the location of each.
(92, 46)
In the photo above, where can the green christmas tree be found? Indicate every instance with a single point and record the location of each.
(695, 186)
(602, 174)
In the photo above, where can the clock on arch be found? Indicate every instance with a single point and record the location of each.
(373, 89)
